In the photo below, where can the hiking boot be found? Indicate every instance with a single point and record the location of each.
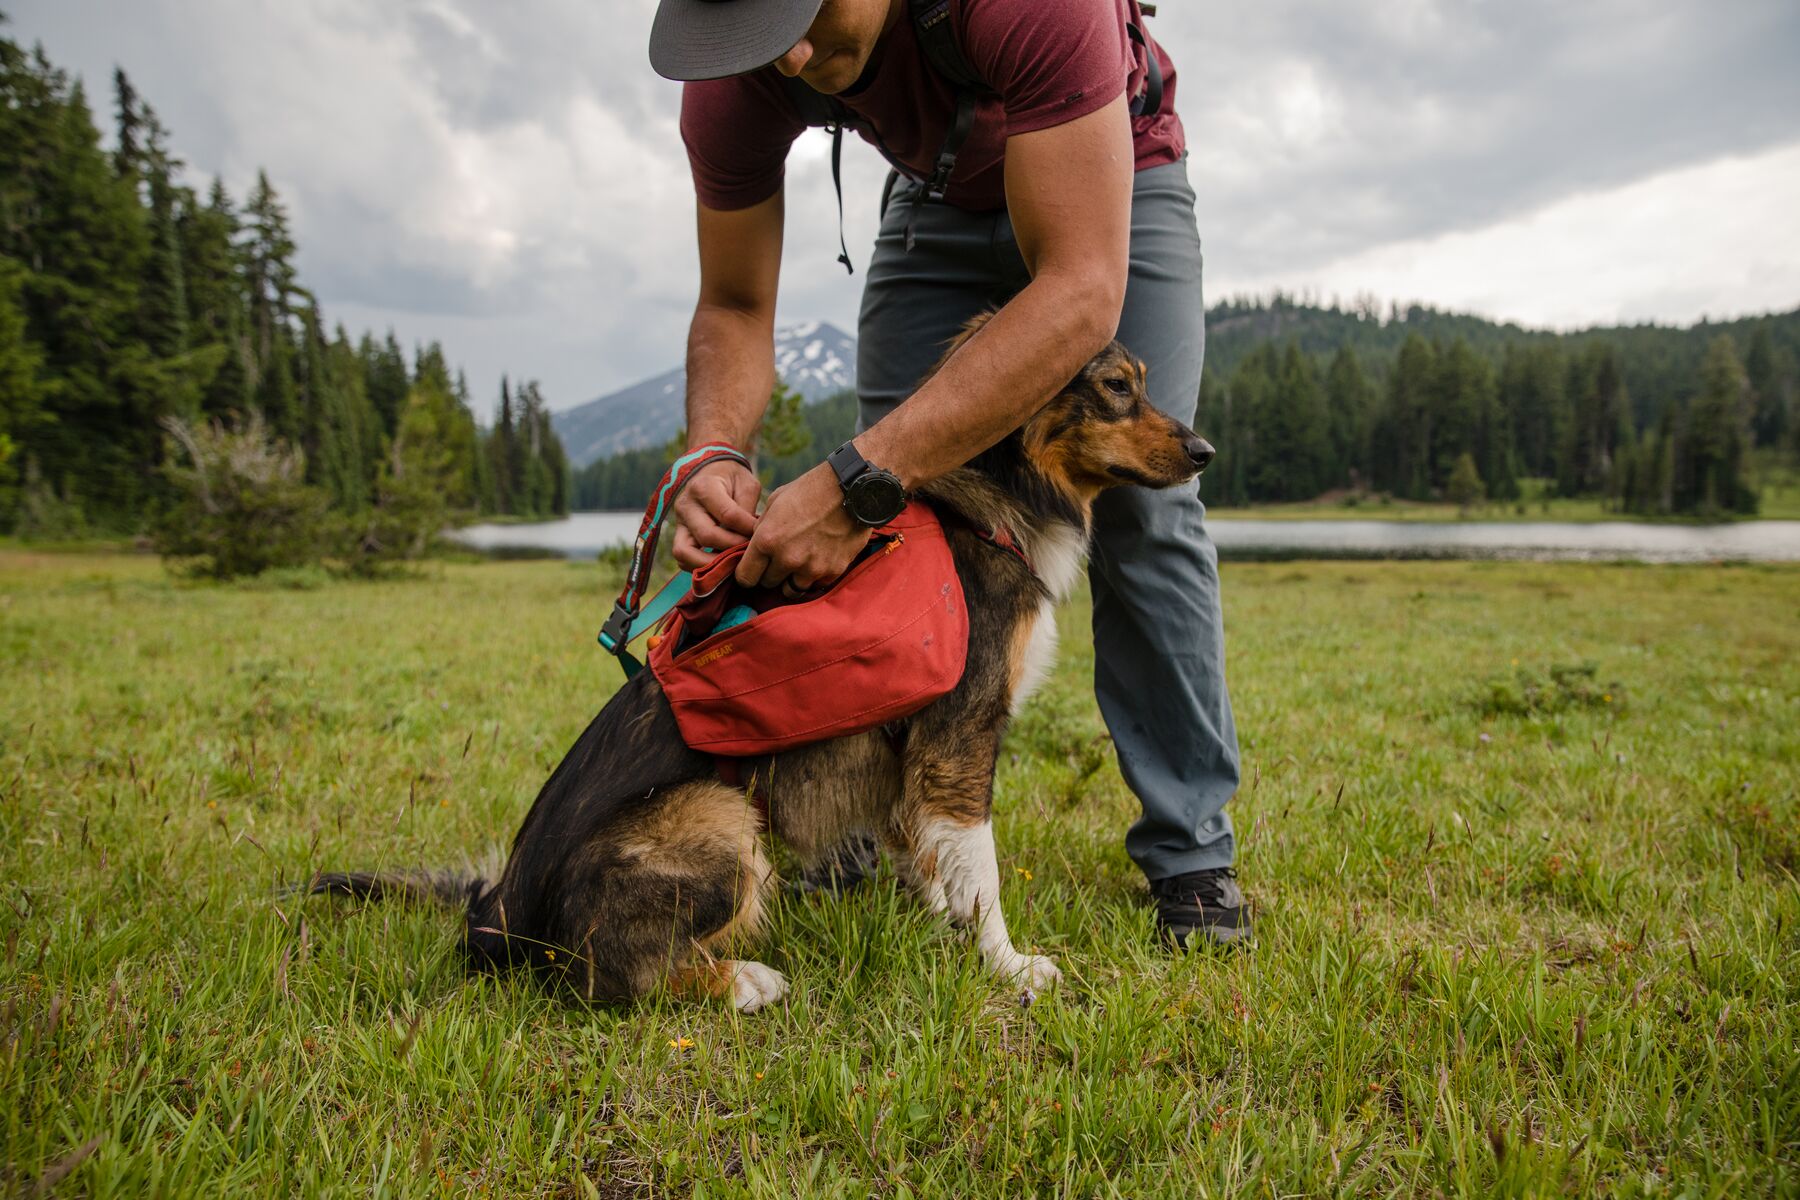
(842, 869)
(1201, 909)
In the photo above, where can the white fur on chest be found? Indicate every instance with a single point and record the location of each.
(1057, 557)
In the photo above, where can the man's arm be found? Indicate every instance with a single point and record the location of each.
(730, 370)
(1068, 190)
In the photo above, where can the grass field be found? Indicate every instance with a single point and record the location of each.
(1551, 949)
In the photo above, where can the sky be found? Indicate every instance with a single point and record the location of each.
(508, 179)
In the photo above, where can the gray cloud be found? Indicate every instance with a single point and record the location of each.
(1320, 129)
(509, 178)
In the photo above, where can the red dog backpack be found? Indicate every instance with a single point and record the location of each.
(751, 671)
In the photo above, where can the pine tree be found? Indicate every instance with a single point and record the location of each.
(437, 424)
(1408, 417)
(270, 277)
(1531, 392)
(75, 227)
(215, 285)
(128, 157)
(384, 367)
(1769, 396)
(20, 393)
(1252, 395)
(336, 458)
(163, 300)
(1349, 399)
(501, 453)
(1600, 416)
(1718, 442)
(1292, 440)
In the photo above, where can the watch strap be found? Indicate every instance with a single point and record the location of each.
(847, 463)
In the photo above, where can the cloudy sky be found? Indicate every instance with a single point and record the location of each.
(508, 179)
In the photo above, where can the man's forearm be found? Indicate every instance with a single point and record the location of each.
(730, 373)
(997, 379)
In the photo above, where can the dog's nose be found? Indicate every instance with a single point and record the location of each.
(1198, 449)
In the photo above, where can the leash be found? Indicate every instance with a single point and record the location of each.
(629, 610)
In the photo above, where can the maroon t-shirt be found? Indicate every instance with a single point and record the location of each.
(1050, 61)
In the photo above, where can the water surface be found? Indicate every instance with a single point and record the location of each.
(585, 534)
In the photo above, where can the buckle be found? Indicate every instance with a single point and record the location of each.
(617, 630)
(939, 183)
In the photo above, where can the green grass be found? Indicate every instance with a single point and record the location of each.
(1521, 932)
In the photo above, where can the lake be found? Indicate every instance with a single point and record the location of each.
(583, 535)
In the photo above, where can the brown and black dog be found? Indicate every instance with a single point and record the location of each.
(637, 868)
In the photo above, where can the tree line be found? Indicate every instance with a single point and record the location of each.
(132, 306)
(1422, 405)
(1304, 401)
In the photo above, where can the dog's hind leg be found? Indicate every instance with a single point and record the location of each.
(951, 842)
(679, 880)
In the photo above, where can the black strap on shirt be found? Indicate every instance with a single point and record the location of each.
(937, 41)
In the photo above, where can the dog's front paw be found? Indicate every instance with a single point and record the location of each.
(1034, 971)
(755, 986)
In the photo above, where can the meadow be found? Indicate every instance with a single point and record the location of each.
(1522, 842)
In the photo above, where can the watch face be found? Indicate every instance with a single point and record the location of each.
(875, 498)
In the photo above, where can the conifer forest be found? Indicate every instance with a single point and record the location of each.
(134, 307)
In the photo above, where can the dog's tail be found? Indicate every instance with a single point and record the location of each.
(450, 888)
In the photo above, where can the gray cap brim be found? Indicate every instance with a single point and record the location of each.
(712, 39)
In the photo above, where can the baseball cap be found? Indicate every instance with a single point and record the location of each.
(711, 39)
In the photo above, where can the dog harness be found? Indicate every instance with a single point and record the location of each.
(749, 671)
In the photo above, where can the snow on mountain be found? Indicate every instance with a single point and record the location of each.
(815, 358)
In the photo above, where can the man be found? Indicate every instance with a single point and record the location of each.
(1072, 214)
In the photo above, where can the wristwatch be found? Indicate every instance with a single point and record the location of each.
(871, 495)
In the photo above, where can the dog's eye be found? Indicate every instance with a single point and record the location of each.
(1118, 387)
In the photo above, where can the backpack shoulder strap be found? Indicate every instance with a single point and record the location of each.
(1148, 102)
(937, 41)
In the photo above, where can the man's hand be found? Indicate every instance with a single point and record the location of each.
(716, 510)
(804, 538)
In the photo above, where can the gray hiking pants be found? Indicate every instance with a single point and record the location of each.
(1159, 649)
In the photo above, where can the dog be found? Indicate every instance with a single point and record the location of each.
(637, 868)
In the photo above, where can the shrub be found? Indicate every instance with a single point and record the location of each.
(1465, 487)
(241, 505)
(1527, 692)
(413, 494)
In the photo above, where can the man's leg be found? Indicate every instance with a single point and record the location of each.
(1159, 647)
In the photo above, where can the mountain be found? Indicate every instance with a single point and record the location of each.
(814, 358)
